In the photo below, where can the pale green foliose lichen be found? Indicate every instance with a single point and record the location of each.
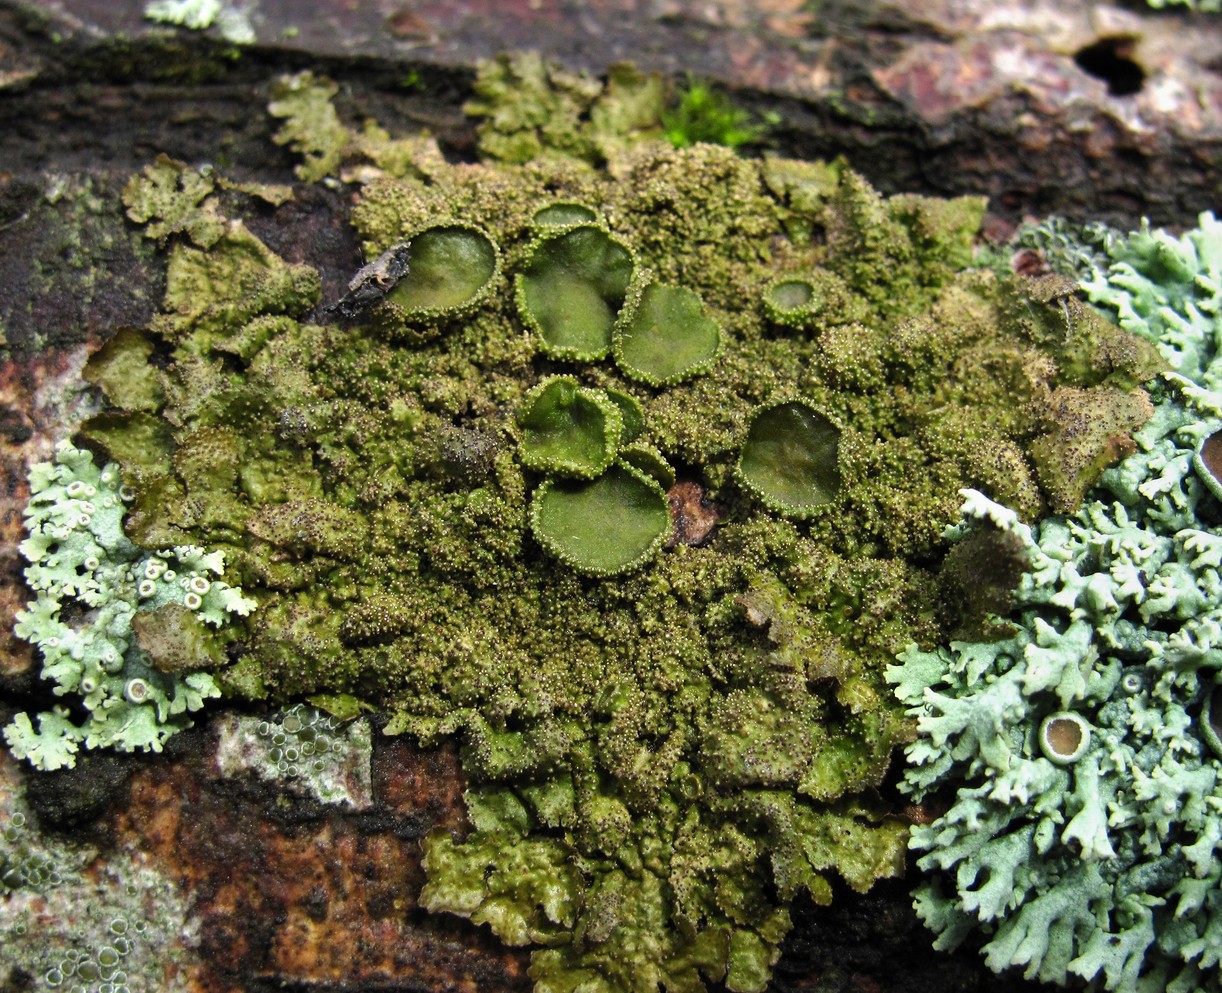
(1098, 856)
(123, 691)
(534, 110)
(27, 862)
(232, 21)
(194, 14)
(1106, 867)
(1207, 6)
(312, 127)
(1168, 290)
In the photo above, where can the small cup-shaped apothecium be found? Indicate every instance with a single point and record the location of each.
(650, 461)
(569, 430)
(571, 289)
(1064, 737)
(606, 527)
(452, 269)
(630, 410)
(1208, 462)
(664, 335)
(1211, 718)
(562, 214)
(791, 457)
(812, 302)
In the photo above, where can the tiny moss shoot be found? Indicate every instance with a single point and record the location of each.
(701, 113)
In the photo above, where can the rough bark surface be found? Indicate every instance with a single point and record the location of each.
(1094, 111)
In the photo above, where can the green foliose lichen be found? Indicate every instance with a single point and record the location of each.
(532, 109)
(661, 761)
(311, 126)
(1074, 749)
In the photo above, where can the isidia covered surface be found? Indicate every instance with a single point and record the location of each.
(256, 420)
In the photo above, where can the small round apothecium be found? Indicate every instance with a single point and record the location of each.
(1064, 737)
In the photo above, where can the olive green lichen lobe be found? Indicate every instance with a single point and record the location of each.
(661, 761)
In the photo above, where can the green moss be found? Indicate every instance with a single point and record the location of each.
(659, 762)
(702, 114)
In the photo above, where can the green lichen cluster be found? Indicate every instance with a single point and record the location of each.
(1082, 739)
(597, 510)
(124, 634)
(232, 21)
(1095, 854)
(1206, 6)
(1168, 290)
(26, 863)
(660, 762)
(1078, 251)
(531, 109)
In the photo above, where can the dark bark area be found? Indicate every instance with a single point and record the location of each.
(1095, 111)
(1088, 111)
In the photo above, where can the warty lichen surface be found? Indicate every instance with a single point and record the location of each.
(75, 921)
(660, 762)
(309, 751)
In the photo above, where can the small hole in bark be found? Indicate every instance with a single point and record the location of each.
(1111, 59)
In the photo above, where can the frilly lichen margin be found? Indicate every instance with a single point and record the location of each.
(79, 557)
